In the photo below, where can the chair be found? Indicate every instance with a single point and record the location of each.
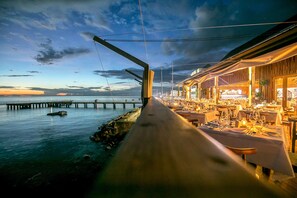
(222, 111)
(232, 112)
(242, 151)
(294, 132)
(287, 125)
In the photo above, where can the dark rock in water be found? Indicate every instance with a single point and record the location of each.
(86, 157)
(60, 113)
(114, 131)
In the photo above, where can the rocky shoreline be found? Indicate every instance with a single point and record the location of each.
(113, 132)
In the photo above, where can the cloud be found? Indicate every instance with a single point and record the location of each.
(120, 74)
(90, 91)
(48, 55)
(7, 87)
(58, 14)
(16, 76)
(214, 44)
(33, 72)
(75, 87)
(179, 73)
(88, 36)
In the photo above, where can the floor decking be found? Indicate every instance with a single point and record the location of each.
(289, 186)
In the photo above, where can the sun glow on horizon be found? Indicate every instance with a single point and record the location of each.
(62, 94)
(10, 92)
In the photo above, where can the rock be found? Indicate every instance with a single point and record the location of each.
(114, 131)
(87, 157)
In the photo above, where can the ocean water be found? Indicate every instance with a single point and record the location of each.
(42, 154)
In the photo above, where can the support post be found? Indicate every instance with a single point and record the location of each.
(198, 91)
(215, 92)
(250, 86)
(148, 75)
(285, 92)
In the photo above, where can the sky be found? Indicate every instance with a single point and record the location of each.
(46, 46)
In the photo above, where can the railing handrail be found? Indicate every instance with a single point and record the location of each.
(165, 156)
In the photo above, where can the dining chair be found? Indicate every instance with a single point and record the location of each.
(242, 151)
(294, 132)
(223, 111)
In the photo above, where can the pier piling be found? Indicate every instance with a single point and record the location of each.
(68, 104)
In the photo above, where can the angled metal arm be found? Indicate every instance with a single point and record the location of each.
(147, 74)
(132, 73)
(138, 81)
(121, 52)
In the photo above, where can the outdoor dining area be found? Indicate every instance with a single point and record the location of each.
(270, 132)
(248, 103)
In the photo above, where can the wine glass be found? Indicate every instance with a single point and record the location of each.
(224, 121)
(263, 120)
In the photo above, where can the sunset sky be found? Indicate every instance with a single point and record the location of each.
(46, 46)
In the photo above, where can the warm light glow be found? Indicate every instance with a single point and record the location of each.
(62, 94)
(243, 123)
(9, 92)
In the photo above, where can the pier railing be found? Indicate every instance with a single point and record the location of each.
(68, 104)
(165, 156)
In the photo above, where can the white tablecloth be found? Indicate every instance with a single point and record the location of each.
(200, 117)
(270, 116)
(271, 150)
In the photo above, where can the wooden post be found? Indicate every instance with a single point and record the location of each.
(216, 90)
(250, 87)
(285, 92)
(198, 91)
(187, 90)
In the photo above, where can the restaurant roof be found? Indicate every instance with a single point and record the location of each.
(278, 37)
(286, 25)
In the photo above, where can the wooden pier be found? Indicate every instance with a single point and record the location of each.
(68, 104)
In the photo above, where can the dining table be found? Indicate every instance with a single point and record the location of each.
(201, 117)
(270, 115)
(270, 144)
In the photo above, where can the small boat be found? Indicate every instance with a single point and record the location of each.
(60, 113)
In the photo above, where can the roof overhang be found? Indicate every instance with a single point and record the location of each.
(276, 48)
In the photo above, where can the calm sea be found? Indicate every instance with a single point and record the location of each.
(42, 154)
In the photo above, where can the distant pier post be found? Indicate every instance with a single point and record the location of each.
(95, 104)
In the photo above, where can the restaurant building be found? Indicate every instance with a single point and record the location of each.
(262, 70)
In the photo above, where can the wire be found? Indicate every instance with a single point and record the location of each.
(194, 39)
(223, 26)
(143, 30)
(100, 60)
(179, 40)
(205, 28)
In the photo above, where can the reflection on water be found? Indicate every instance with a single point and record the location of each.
(41, 153)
